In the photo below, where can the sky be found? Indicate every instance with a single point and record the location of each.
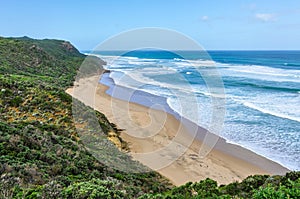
(214, 24)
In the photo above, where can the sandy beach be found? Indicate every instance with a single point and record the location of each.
(154, 135)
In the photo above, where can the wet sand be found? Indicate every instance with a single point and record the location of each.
(160, 141)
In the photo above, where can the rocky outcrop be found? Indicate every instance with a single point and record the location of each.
(68, 46)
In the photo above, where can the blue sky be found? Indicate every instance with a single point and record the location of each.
(215, 24)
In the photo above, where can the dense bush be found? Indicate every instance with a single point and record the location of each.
(93, 189)
(284, 187)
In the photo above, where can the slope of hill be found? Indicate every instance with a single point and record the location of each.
(41, 155)
(40, 152)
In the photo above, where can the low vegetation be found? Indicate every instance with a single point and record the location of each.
(42, 155)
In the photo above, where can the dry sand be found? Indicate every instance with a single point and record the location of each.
(159, 141)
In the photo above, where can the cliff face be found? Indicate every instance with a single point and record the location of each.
(41, 154)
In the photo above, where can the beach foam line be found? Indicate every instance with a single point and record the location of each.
(250, 105)
(178, 113)
(173, 111)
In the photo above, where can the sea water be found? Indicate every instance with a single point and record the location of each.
(262, 91)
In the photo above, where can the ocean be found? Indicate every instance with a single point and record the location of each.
(262, 93)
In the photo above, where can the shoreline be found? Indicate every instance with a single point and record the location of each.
(221, 144)
(225, 163)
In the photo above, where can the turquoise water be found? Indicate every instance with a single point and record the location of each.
(262, 93)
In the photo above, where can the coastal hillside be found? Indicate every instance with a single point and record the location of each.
(42, 156)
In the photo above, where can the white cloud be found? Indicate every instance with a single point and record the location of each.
(265, 17)
(204, 18)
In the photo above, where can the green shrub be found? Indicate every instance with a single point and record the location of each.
(94, 188)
